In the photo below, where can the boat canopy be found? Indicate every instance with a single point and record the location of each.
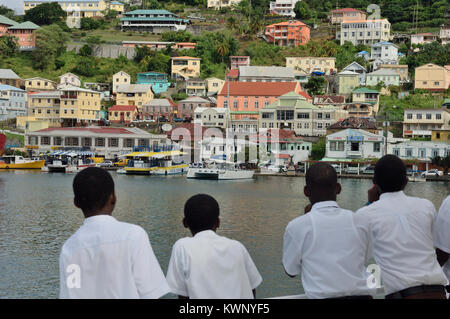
(72, 153)
(154, 154)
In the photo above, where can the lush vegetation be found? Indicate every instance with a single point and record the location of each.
(45, 14)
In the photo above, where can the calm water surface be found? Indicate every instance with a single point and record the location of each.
(37, 215)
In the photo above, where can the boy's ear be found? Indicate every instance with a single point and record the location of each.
(184, 223)
(306, 191)
(113, 198)
(338, 188)
(75, 202)
(218, 223)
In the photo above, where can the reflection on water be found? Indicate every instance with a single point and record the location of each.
(37, 215)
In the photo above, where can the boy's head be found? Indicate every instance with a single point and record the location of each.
(390, 174)
(201, 212)
(321, 183)
(94, 191)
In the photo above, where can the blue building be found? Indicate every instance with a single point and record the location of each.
(159, 81)
(13, 102)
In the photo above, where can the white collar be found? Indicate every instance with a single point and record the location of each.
(327, 203)
(392, 195)
(206, 233)
(98, 219)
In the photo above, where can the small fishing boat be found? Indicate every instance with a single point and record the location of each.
(154, 163)
(218, 171)
(19, 162)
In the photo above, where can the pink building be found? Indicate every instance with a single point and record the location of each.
(245, 99)
(288, 33)
(23, 32)
(237, 61)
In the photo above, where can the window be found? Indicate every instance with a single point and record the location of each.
(246, 104)
(408, 152)
(438, 116)
(409, 116)
(376, 147)
(299, 125)
(419, 116)
(303, 115)
(319, 125)
(256, 104)
(428, 116)
(225, 104)
(267, 115)
(327, 116)
(45, 140)
(86, 142)
(306, 125)
(129, 142)
(434, 152)
(235, 104)
(396, 151)
(285, 115)
(113, 142)
(99, 141)
(319, 115)
(57, 140)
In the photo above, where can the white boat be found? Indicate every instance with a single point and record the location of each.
(218, 172)
(154, 163)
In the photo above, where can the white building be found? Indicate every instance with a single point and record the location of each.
(444, 34)
(70, 79)
(283, 7)
(354, 143)
(383, 53)
(421, 122)
(220, 148)
(212, 117)
(13, 102)
(104, 141)
(421, 150)
(266, 74)
(155, 21)
(219, 4)
(387, 76)
(364, 31)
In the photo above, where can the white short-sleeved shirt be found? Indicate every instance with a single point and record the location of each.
(401, 228)
(113, 259)
(441, 233)
(330, 251)
(209, 266)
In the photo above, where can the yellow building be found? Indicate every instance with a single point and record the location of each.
(441, 136)
(214, 85)
(120, 78)
(432, 77)
(196, 86)
(134, 94)
(347, 81)
(311, 64)
(122, 113)
(40, 84)
(45, 106)
(117, 6)
(185, 67)
(79, 105)
(400, 69)
(75, 9)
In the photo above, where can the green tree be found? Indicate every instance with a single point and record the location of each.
(86, 67)
(86, 50)
(315, 85)
(302, 10)
(8, 46)
(159, 62)
(318, 149)
(45, 14)
(50, 44)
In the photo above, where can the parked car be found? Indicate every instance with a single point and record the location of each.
(352, 170)
(369, 170)
(106, 164)
(337, 168)
(432, 172)
(277, 168)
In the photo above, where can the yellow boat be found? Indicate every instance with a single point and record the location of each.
(18, 162)
(155, 163)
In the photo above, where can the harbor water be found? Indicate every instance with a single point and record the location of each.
(37, 215)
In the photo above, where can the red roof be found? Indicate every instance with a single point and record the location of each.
(233, 73)
(97, 130)
(288, 23)
(123, 108)
(286, 156)
(237, 88)
(346, 10)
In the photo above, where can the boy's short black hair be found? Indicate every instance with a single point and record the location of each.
(201, 212)
(390, 174)
(321, 178)
(92, 187)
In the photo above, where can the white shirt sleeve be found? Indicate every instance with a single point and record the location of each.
(362, 224)
(63, 293)
(292, 252)
(147, 273)
(178, 266)
(252, 272)
(441, 231)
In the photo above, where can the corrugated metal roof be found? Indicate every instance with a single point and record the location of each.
(8, 74)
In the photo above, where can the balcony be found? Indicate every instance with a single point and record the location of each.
(69, 96)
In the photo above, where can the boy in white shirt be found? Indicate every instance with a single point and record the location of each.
(106, 258)
(441, 236)
(326, 245)
(209, 266)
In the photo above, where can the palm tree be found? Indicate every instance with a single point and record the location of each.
(232, 22)
(222, 49)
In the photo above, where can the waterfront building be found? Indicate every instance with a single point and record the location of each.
(185, 67)
(212, 117)
(364, 31)
(120, 78)
(222, 148)
(154, 21)
(245, 99)
(400, 69)
(214, 86)
(347, 81)
(423, 38)
(239, 60)
(289, 33)
(383, 53)
(122, 113)
(159, 81)
(444, 34)
(159, 108)
(104, 141)
(134, 94)
(365, 96)
(79, 106)
(23, 32)
(358, 68)
(292, 111)
(219, 4)
(421, 150)
(283, 7)
(353, 122)
(421, 122)
(75, 9)
(9, 77)
(266, 74)
(37, 84)
(187, 106)
(70, 79)
(12, 102)
(308, 65)
(432, 77)
(346, 14)
(195, 87)
(352, 143)
(386, 76)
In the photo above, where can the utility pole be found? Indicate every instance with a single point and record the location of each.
(386, 124)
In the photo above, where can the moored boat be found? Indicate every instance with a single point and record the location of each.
(218, 172)
(154, 163)
(19, 162)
